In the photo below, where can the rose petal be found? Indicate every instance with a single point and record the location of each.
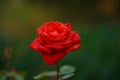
(74, 47)
(38, 47)
(54, 58)
(66, 32)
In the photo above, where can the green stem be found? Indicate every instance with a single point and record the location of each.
(57, 68)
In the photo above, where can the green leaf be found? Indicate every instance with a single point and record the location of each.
(67, 69)
(40, 76)
(45, 75)
(51, 73)
(68, 76)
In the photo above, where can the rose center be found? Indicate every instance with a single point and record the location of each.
(54, 33)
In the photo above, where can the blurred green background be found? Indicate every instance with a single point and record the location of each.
(97, 21)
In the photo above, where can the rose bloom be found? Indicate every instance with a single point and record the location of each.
(54, 41)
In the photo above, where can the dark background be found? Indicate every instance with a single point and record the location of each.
(97, 22)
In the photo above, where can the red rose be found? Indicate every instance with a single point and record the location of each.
(54, 41)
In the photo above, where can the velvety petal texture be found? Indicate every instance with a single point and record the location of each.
(54, 41)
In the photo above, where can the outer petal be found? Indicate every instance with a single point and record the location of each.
(75, 42)
(51, 59)
(38, 47)
(39, 29)
(74, 47)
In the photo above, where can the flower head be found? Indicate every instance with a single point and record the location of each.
(54, 41)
